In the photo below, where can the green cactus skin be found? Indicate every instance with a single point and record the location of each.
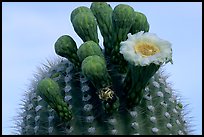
(97, 98)
(103, 13)
(85, 26)
(141, 23)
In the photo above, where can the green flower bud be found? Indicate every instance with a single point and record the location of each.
(94, 68)
(49, 90)
(89, 48)
(141, 23)
(85, 26)
(79, 10)
(103, 13)
(122, 18)
(66, 47)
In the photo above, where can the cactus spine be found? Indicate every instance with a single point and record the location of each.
(95, 91)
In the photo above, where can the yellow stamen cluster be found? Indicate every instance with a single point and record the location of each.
(146, 49)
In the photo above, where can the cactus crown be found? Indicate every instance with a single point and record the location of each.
(116, 90)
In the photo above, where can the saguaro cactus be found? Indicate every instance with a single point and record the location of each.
(118, 90)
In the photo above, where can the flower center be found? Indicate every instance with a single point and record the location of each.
(146, 49)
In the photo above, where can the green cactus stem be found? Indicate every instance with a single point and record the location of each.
(118, 90)
(136, 80)
(157, 113)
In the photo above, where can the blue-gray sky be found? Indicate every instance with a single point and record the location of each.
(31, 29)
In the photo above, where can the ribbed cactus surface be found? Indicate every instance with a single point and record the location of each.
(118, 90)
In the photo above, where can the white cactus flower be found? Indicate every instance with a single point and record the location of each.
(145, 48)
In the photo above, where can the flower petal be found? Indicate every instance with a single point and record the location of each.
(127, 49)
